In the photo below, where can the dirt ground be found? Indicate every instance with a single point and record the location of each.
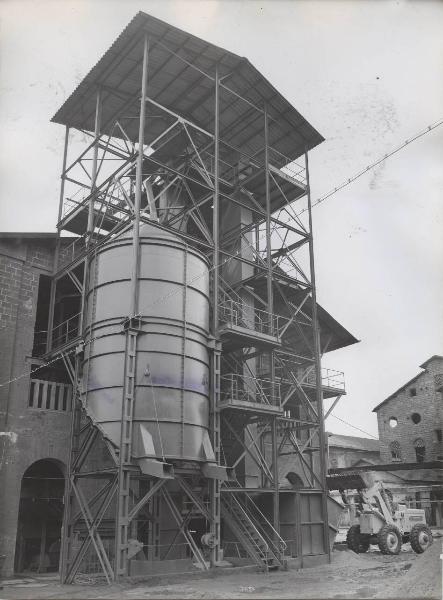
(349, 576)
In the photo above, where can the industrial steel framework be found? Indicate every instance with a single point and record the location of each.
(220, 180)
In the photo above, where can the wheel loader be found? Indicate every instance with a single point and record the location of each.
(376, 519)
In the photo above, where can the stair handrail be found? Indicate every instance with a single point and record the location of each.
(280, 546)
(248, 517)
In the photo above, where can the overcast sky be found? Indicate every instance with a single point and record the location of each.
(367, 75)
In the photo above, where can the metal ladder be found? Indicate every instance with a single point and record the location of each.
(266, 553)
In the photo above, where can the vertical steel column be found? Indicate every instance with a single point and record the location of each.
(274, 440)
(98, 111)
(90, 226)
(67, 533)
(318, 380)
(214, 484)
(268, 225)
(57, 247)
(132, 330)
(138, 182)
(124, 472)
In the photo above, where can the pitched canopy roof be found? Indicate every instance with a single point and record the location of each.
(185, 90)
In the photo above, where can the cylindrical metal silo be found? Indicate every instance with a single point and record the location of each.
(171, 409)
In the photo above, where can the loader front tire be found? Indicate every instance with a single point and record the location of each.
(389, 540)
(420, 538)
(356, 541)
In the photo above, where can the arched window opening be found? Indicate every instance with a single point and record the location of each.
(416, 418)
(395, 449)
(295, 480)
(40, 518)
(393, 422)
(420, 450)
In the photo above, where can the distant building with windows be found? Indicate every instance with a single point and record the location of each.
(410, 423)
(410, 420)
(351, 451)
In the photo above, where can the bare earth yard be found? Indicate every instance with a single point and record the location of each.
(350, 575)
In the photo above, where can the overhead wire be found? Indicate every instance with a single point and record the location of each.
(363, 171)
(318, 201)
(353, 426)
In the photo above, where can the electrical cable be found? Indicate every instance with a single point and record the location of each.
(350, 180)
(322, 198)
(353, 426)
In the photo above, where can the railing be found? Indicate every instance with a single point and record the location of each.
(69, 252)
(110, 199)
(273, 538)
(66, 331)
(329, 378)
(258, 530)
(243, 388)
(50, 395)
(242, 315)
(234, 550)
(288, 167)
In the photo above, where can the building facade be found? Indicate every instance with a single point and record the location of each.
(35, 415)
(410, 420)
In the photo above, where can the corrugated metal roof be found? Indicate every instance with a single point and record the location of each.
(186, 91)
(353, 442)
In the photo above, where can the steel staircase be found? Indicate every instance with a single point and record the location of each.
(246, 523)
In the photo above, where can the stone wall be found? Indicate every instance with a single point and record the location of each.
(417, 417)
(27, 434)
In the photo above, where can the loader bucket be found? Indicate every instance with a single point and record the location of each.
(335, 511)
(352, 480)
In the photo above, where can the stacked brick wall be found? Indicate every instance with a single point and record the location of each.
(427, 403)
(26, 435)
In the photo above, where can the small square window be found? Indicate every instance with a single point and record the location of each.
(413, 391)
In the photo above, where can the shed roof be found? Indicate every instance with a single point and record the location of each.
(353, 442)
(187, 91)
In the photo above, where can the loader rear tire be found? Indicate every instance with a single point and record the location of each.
(420, 538)
(357, 542)
(389, 540)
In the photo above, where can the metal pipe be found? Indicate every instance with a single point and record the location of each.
(276, 501)
(216, 207)
(318, 380)
(215, 507)
(268, 220)
(138, 181)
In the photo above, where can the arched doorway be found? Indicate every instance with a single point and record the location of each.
(295, 480)
(40, 518)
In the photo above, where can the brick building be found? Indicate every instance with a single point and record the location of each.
(410, 420)
(410, 444)
(35, 415)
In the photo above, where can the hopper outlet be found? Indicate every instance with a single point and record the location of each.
(144, 453)
(210, 468)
